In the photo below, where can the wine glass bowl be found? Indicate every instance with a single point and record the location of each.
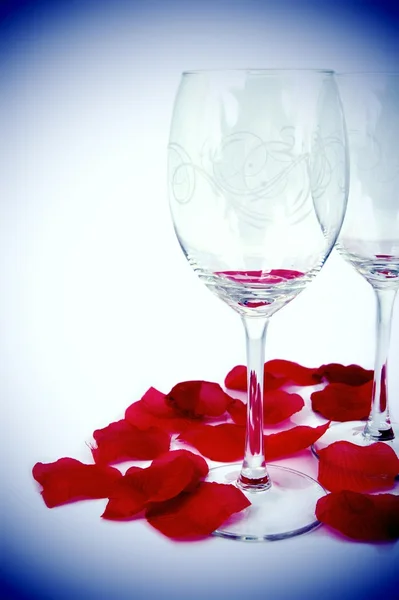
(369, 238)
(258, 177)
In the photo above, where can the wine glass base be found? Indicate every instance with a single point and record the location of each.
(285, 510)
(351, 431)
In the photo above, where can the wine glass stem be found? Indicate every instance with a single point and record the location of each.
(379, 426)
(254, 475)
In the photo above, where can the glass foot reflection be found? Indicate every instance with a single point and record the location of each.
(285, 510)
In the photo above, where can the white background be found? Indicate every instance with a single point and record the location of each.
(98, 303)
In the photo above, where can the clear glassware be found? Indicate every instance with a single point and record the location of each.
(369, 238)
(258, 178)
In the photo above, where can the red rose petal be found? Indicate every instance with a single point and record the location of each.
(127, 497)
(284, 443)
(278, 406)
(236, 379)
(292, 371)
(238, 412)
(138, 415)
(122, 441)
(346, 466)
(153, 411)
(362, 517)
(154, 401)
(194, 466)
(198, 514)
(223, 443)
(198, 399)
(342, 402)
(273, 382)
(350, 374)
(69, 480)
(165, 478)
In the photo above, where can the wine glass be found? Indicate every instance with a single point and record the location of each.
(258, 178)
(369, 238)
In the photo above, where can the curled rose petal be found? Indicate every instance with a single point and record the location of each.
(196, 399)
(165, 478)
(277, 406)
(342, 402)
(122, 441)
(69, 480)
(153, 411)
(291, 371)
(284, 443)
(349, 374)
(346, 466)
(195, 515)
(223, 443)
(363, 517)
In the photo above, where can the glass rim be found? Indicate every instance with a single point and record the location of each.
(259, 71)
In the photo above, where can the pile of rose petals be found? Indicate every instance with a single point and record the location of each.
(172, 494)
